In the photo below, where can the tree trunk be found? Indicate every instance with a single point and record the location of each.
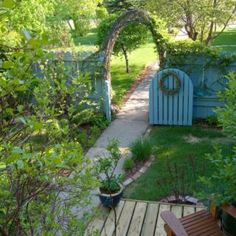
(126, 57)
(189, 25)
(209, 37)
(3, 232)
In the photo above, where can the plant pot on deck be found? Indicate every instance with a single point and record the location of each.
(111, 200)
(228, 223)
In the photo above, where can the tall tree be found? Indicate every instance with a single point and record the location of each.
(130, 37)
(27, 19)
(82, 12)
(203, 20)
(119, 5)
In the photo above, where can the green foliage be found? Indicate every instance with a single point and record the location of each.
(212, 121)
(227, 115)
(25, 20)
(180, 177)
(115, 6)
(203, 20)
(82, 12)
(101, 13)
(130, 37)
(43, 172)
(177, 53)
(141, 149)
(40, 114)
(129, 164)
(105, 166)
(175, 145)
(220, 187)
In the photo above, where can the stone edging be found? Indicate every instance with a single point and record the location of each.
(138, 173)
(143, 169)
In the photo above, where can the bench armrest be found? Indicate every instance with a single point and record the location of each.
(173, 223)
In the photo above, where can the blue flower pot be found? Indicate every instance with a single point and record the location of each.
(111, 200)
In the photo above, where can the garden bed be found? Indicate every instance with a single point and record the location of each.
(180, 160)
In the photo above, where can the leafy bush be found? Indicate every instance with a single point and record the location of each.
(44, 175)
(212, 120)
(220, 187)
(227, 114)
(186, 51)
(105, 167)
(128, 164)
(141, 149)
(38, 145)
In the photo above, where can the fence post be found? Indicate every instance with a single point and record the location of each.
(107, 99)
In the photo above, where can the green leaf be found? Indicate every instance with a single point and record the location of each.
(20, 164)
(35, 43)
(22, 119)
(7, 65)
(9, 111)
(20, 108)
(2, 166)
(8, 4)
(26, 34)
(17, 150)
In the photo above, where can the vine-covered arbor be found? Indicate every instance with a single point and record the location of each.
(139, 16)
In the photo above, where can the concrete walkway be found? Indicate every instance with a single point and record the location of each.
(130, 124)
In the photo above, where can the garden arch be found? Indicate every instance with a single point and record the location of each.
(139, 16)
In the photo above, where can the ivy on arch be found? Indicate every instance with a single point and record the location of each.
(127, 17)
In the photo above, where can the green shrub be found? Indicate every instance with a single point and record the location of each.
(141, 149)
(212, 121)
(128, 164)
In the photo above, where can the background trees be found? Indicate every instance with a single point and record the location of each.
(82, 12)
(201, 19)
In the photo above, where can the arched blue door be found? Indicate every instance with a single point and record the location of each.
(171, 98)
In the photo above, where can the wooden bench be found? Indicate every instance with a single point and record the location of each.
(202, 223)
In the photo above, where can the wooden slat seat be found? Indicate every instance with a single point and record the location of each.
(201, 223)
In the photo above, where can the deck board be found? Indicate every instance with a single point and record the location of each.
(96, 225)
(188, 210)
(137, 218)
(160, 223)
(109, 226)
(125, 218)
(177, 210)
(150, 219)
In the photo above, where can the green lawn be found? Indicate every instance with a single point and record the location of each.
(184, 148)
(122, 81)
(228, 37)
(88, 42)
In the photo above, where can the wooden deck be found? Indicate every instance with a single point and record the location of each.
(136, 218)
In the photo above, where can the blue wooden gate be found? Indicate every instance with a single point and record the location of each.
(171, 98)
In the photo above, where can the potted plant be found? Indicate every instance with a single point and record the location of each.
(111, 189)
(221, 187)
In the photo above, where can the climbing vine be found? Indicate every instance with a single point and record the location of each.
(154, 25)
(188, 52)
